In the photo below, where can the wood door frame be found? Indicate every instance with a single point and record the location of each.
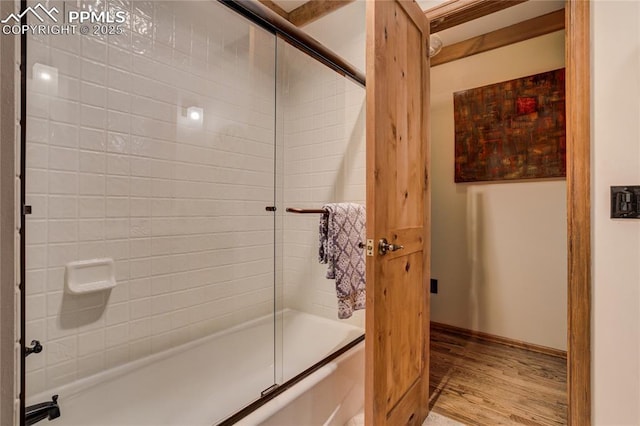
(578, 82)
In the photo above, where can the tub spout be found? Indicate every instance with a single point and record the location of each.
(35, 413)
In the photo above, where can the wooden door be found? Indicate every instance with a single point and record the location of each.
(397, 317)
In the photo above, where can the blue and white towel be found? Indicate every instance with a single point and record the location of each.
(342, 232)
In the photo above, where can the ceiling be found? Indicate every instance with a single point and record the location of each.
(289, 5)
(504, 18)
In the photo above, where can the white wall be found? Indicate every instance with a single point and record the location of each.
(616, 243)
(116, 169)
(498, 249)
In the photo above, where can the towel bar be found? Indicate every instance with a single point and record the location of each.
(303, 211)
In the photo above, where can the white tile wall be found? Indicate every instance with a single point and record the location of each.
(323, 127)
(116, 169)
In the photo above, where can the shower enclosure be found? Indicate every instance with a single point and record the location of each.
(160, 161)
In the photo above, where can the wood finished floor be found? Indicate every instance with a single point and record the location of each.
(482, 383)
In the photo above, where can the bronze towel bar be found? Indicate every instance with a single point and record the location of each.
(297, 210)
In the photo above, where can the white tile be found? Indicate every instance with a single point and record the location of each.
(93, 94)
(55, 281)
(92, 162)
(91, 342)
(92, 184)
(37, 183)
(140, 247)
(116, 228)
(93, 72)
(118, 142)
(61, 254)
(118, 186)
(38, 105)
(36, 232)
(140, 308)
(118, 121)
(37, 156)
(94, 49)
(140, 207)
(118, 164)
(117, 206)
(61, 350)
(92, 139)
(93, 117)
(91, 207)
(160, 324)
(140, 329)
(139, 288)
(119, 80)
(35, 281)
(68, 88)
(117, 356)
(118, 101)
(64, 111)
(91, 364)
(65, 159)
(62, 134)
(91, 230)
(118, 58)
(66, 62)
(35, 307)
(62, 182)
(61, 231)
(61, 374)
(35, 380)
(140, 348)
(117, 335)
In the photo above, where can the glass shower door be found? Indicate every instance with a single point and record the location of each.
(151, 152)
(320, 137)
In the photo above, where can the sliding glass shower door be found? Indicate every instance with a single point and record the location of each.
(150, 160)
(167, 279)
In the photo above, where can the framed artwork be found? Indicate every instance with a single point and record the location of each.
(511, 130)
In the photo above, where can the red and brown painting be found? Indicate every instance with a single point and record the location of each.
(511, 130)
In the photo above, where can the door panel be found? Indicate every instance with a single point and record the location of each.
(401, 299)
(397, 348)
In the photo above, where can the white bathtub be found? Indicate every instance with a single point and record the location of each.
(205, 381)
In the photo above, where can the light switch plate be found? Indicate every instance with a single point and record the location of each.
(625, 202)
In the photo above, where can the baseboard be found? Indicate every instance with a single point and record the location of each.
(499, 339)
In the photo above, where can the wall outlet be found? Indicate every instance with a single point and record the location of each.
(434, 286)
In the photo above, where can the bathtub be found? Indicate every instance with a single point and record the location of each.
(204, 381)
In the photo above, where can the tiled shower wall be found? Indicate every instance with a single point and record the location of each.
(117, 169)
(323, 130)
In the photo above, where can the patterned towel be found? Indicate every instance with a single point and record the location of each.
(342, 231)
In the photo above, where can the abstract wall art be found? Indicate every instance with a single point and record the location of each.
(511, 130)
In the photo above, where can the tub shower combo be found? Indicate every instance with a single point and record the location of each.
(165, 281)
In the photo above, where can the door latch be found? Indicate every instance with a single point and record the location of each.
(384, 247)
(370, 248)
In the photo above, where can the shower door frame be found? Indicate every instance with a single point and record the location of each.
(283, 30)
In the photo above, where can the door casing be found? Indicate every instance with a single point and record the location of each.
(578, 131)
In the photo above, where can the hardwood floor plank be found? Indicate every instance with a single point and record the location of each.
(486, 383)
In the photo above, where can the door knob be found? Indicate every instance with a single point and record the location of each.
(384, 247)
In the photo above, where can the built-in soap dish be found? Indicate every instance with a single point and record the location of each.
(88, 276)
